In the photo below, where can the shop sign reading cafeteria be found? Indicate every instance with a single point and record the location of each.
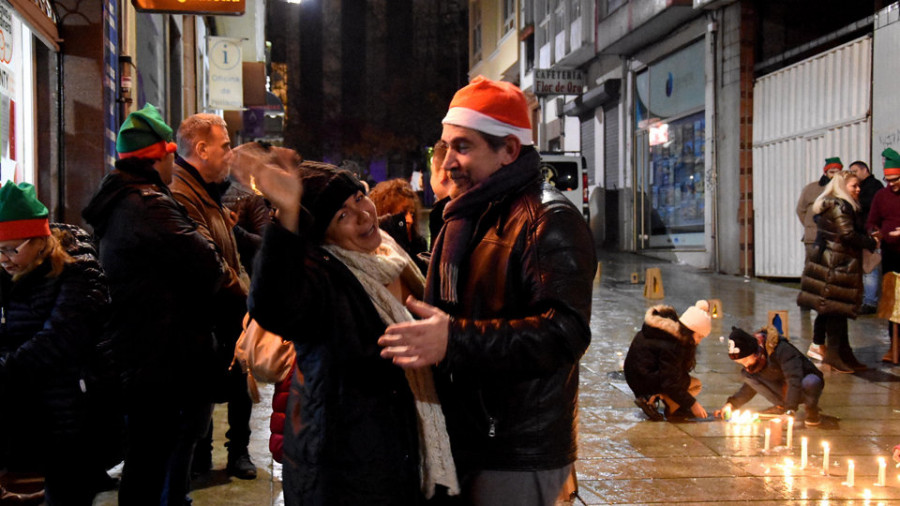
(558, 82)
(220, 7)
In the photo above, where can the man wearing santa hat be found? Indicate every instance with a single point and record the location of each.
(507, 306)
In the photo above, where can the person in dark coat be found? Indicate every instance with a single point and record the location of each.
(54, 302)
(831, 283)
(661, 357)
(162, 273)
(773, 367)
(330, 281)
(868, 187)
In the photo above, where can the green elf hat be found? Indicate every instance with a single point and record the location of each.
(891, 162)
(833, 163)
(21, 214)
(144, 134)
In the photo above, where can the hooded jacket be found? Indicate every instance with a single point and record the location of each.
(162, 275)
(661, 357)
(832, 275)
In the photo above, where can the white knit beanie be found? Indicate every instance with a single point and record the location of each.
(697, 318)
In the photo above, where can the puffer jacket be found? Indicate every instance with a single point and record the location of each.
(162, 276)
(509, 381)
(660, 358)
(832, 276)
(49, 331)
(350, 431)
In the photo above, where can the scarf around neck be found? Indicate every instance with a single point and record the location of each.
(460, 216)
(374, 271)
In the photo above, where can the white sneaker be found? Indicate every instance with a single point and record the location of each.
(816, 352)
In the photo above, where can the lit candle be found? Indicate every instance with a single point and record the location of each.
(825, 458)
(775, 425)
(882, 470)
(804, 442)
(850, 468)
(736, 416)
(790, 432)
(768, 435)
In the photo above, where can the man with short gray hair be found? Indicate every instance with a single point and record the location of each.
(201, 171)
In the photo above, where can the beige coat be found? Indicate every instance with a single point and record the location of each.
(804, 209)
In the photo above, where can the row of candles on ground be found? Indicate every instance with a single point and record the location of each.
(773, 435)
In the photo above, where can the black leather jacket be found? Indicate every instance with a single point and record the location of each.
(509, 382)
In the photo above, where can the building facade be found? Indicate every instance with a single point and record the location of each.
(700, 120)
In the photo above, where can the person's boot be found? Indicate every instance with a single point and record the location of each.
(649, 408)
(847, 356)
(850, 359)
(239, 464)
(833, 359)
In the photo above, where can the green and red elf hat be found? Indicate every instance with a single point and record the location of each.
(891, 162)
(21, 214)
(145, 134)
(833, 163)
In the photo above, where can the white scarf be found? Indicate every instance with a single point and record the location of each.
(375, 271)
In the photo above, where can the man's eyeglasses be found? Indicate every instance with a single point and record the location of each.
(11, 252)
(891, 180)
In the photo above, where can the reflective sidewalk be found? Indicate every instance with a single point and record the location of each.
(625, 459)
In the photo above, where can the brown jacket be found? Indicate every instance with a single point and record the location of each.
(832, 276)
(213, 222)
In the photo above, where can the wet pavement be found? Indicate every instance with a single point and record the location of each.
(626, 459)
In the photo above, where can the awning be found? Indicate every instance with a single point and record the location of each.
(40, 17)
(594, 98)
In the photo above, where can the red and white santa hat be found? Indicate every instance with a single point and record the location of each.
(493, 107)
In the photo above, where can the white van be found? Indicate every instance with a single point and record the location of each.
(568, 173)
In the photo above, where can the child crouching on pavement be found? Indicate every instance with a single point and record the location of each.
(777, 370)
(660, 358)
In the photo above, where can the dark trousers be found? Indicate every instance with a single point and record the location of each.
(832, 326)
(70, 478)
(240, 407)
(159, 448)
(811, 387)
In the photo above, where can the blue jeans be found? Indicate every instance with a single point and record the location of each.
(811, 387)
(872, 287)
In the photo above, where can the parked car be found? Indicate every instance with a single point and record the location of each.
(568, 173)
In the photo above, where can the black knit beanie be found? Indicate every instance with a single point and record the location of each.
(325, 188)
(741, 344)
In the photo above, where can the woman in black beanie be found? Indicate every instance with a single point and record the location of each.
(358, 430)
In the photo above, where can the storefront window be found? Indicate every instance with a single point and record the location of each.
(16, 107)
(677, 196)
(670, 138)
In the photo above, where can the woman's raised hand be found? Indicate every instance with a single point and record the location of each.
(283, 189)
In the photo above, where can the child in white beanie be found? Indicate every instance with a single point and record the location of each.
(661, 357)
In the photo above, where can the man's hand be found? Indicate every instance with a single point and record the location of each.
(698, 411)
(420, 343)
(720, 413)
